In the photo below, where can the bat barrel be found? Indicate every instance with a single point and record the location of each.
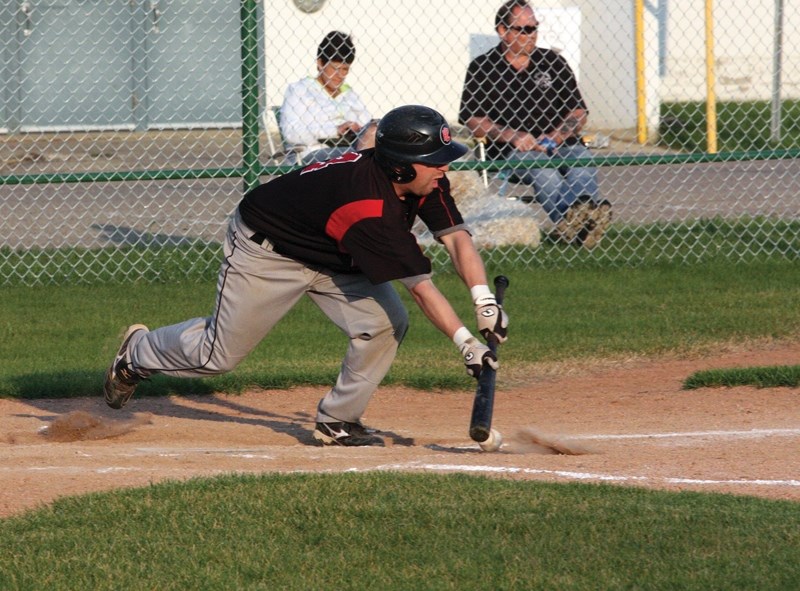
(480, 426)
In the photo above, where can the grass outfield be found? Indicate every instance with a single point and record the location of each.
(741, 125)
(404, 531)
(399, 532)
(57, 341)
(762, 377)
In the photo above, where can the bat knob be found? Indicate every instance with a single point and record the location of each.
(501, 281)
(479, 433)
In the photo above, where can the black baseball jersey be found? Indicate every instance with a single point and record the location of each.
(535, 100)
(344, 215)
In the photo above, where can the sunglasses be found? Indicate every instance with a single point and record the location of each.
(527, 29)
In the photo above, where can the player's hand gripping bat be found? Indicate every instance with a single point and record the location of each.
(480, 425)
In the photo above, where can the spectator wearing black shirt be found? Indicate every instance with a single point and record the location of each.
(525, 101)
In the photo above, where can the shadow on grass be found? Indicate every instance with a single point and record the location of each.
(75, 384)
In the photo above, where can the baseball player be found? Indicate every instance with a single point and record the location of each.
(339, 232)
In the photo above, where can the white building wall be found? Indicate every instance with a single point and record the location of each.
(416, 51)
(743, 47)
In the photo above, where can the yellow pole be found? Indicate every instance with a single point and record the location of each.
(711, 97)
(641, 95)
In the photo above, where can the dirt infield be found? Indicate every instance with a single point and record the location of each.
(639, 427)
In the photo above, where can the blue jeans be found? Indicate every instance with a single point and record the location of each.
(558, 188)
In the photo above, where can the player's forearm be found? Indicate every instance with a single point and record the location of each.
(436, 307)
(465, 257)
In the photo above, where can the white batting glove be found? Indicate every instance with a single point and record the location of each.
(492, 319)
(476, 355)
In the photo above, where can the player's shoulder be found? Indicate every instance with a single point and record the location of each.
(341, 166)
(350, 176)
(334, 181)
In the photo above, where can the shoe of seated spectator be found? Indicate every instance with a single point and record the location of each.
(121, 380)
(346, 434)
(597, 224)
(571, 226)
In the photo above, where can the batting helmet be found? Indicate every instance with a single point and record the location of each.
(414, 133)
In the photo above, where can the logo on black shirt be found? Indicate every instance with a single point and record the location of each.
(543, 80)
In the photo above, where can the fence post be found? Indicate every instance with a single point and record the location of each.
(777, 66)
(250, 147)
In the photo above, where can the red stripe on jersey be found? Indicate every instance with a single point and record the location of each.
(343, 218)
(440, 194)
(343, 159)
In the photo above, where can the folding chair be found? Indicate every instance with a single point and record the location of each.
(271, 117)
(505, 176)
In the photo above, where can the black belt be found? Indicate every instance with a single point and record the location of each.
(258, 237)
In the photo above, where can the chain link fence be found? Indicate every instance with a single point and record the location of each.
(129, 129)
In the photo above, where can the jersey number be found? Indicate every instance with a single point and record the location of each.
(343, 159)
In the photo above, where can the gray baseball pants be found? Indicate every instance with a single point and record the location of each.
(255, 289)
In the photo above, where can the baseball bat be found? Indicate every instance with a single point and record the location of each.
(482, 407)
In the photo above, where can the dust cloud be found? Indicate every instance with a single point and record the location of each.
(83, 426)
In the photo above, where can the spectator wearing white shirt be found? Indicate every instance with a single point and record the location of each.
(322, 117)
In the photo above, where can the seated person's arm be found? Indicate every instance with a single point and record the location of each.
(356, 109)
(485, 127)
(521, 140)
(570, 126)
(301, 119)
(356, 114)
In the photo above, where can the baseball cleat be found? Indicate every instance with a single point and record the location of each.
(121, 380)
(346, 434)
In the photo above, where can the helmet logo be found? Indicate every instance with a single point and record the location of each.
(416, 137)
(444, 134)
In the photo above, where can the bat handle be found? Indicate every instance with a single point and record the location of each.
(482, 407)
(501, 282)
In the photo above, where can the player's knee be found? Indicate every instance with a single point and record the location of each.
(214, 367)
(219, 361)
(399, 323)
(392, 325)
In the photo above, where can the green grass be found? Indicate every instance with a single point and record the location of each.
(762, 377)
(56, 342)
(741, 126)
(82, 266)
(702, 240)
(404, 531)
(401, 531)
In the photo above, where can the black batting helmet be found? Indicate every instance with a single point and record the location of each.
(414, 133)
